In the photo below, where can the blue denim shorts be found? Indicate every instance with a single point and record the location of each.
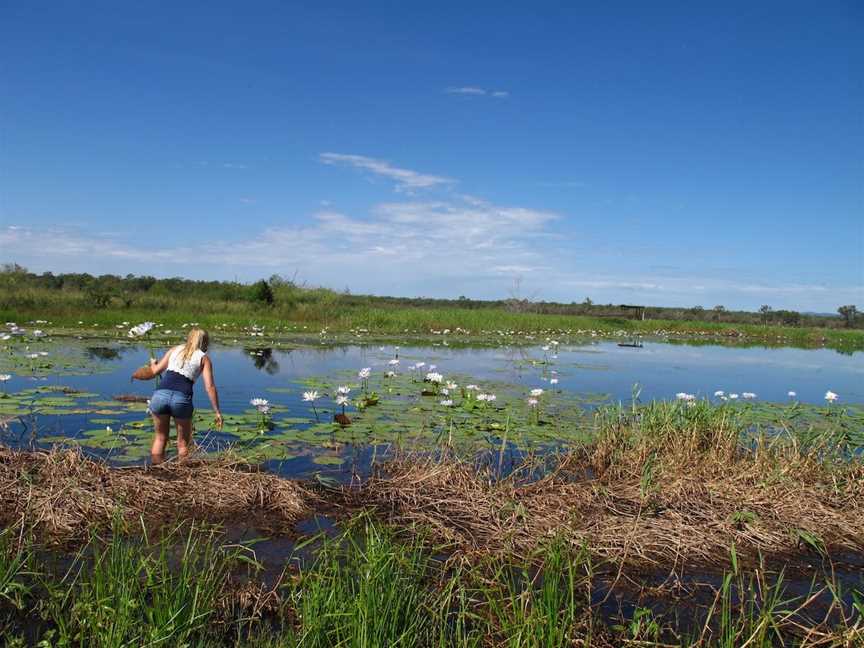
(170, 402)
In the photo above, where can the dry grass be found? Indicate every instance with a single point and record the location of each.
(688, 514)
(652, 509)
(62, 494)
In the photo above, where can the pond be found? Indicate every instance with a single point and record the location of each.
(66, 392)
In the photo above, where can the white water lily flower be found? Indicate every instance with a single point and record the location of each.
(310, 396)
(748, 395)
(343, 391)
(364, 373)
(545, 348)
(536, 392)
(38, 333)
(719, 393)
(683, 396)
(434, 377)
(451, 385)
(33, 356)
(419, 365)
(553, 381)
(259, 402)
(341, 399)
(791, 394)
(532, 402)
(445, 391)
(471, 387)
(264, 409)
(831, 396)
(486, 397)
(733, 396)
(447, 403)
(390, 374)
(5, 377)
(393, 362)
(43, 353)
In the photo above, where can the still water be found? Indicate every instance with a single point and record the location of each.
(591, 374)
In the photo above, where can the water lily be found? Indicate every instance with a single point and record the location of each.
(447, 403)
(536, 392)
(258, 403)
(733, 396)
(364, 373)
(532, 402)
(486, 397)
(683, 396)
(310, 396)
(471, 387)
(719, 393)
(791, 394)
(748, 395)
(390, 374)
(3, 379)
(393, 362)
(344, 390)
(553, 381)
(451, 385)
(434, 377)
(831, 396)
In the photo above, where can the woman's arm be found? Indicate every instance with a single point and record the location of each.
(210, 386)
(161, 365)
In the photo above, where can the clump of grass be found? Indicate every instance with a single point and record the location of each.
(364, 590)
(129, 591)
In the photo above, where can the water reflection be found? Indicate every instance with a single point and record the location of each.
(263, 359)
(105, 353)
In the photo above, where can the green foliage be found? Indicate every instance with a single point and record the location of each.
(261, 293)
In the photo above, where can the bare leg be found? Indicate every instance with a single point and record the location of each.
(161, 424)
(184, 437)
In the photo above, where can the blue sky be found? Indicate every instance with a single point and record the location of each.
(660, 153)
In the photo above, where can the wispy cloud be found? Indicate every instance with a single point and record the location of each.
(461, 245)
(477, 91)
(405, 179)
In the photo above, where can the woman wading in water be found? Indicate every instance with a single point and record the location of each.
(181, 365)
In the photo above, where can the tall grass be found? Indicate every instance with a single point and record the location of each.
(372, 586)
(131, 592)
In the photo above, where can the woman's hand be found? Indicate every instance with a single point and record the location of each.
(219, 420)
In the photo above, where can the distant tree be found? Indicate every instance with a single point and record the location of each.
(766, 313)
(262, 293)
(13, 268)
(848, 313)
(588, 302)
(718, 311)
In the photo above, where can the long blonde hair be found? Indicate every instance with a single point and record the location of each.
(197, 339)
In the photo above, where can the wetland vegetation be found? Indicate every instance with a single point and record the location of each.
(511, 494)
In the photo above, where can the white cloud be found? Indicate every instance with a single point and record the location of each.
(405, 179)
(477, 92)
(462, 245)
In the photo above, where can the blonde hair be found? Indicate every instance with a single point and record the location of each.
(197, 339)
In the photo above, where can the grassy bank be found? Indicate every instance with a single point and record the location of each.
(288, 309)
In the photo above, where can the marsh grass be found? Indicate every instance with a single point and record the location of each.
(374, 585)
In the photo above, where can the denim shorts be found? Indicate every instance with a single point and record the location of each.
(170, 402)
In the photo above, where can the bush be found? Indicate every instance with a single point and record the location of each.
(262, 293)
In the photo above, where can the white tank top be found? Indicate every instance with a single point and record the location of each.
(191, 368)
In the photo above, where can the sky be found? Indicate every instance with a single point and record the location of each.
(665, 153)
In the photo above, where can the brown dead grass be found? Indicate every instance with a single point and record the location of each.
(62, 495)
(683, 515)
